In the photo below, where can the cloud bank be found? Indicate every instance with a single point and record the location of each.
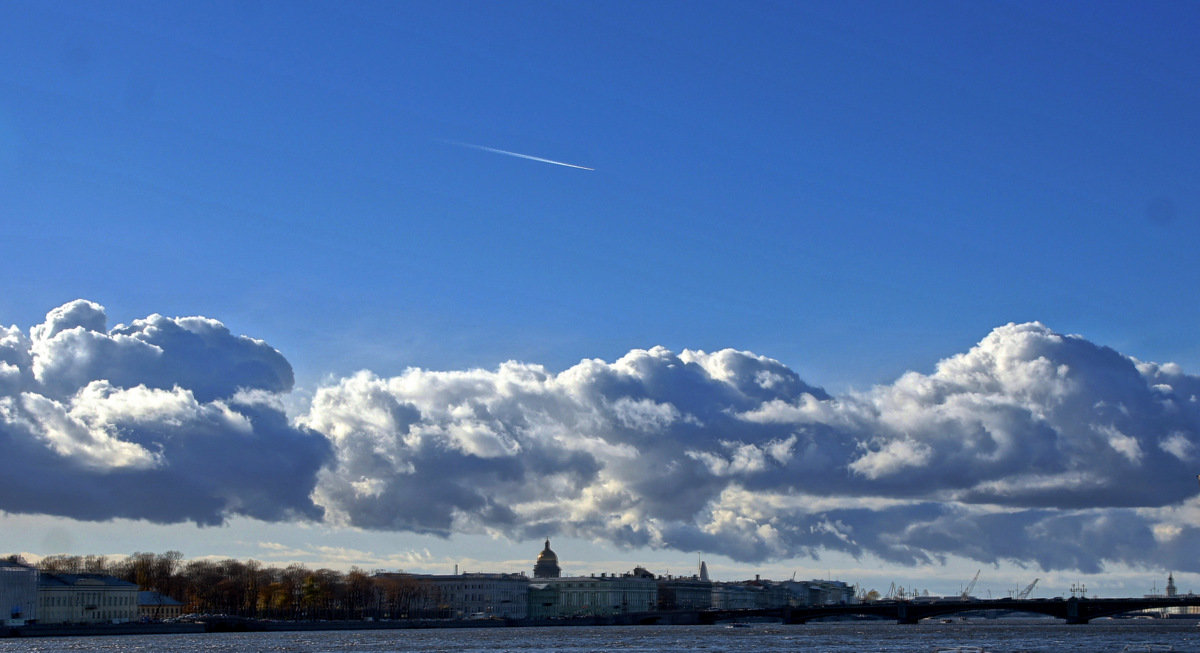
(1032, 447)
(165, 419)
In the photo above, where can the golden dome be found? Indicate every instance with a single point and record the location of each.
(547, 555)
(547, 564)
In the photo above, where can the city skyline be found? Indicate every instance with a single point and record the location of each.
(878, 292)
(77, 563)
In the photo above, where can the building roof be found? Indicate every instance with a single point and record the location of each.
(150, 597)
(49, 580)
(465, 576)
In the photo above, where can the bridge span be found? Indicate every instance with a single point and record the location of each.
(1072, 610)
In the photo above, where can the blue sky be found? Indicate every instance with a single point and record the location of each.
(855, 189)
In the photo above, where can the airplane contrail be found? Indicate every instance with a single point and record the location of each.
(519, 155)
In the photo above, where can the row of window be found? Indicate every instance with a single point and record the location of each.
(82, 598)
(506, 589)
(107, 615)
(506, 597)
(586, 598)
(635, 586)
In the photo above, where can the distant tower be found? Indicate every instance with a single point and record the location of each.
(1170, 584)
(703, 571)
(547, 564)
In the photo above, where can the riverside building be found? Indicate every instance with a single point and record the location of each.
(467, 596)
(18, 593)
(156, 606)
(686, 592)
(589, 596)
(85, 599)
(555, 596)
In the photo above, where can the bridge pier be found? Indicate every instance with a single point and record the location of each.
(790, 617)
(1077, 612)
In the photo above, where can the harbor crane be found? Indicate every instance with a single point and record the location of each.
(1028, 588)
(966, 595)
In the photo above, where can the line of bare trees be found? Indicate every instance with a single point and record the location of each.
(250, 589)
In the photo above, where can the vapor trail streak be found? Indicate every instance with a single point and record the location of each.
(521, 156)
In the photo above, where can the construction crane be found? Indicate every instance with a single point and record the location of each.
(1024, 594)
(966, 595)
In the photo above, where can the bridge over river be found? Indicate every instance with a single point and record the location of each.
(1073, 610)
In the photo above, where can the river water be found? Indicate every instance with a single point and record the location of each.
(1004, 637)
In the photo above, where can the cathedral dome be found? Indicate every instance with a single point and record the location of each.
(547, 564)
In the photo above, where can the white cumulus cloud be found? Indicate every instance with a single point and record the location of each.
(1023, 443)
(1032, 446)
(167, 419)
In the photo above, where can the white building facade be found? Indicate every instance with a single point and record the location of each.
(478, 596)
(85, 599)
(819, 592)
(605, 594)
(734, 596)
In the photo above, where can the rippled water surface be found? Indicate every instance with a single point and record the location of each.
(857, 637)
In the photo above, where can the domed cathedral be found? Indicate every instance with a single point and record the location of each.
(547, 564)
